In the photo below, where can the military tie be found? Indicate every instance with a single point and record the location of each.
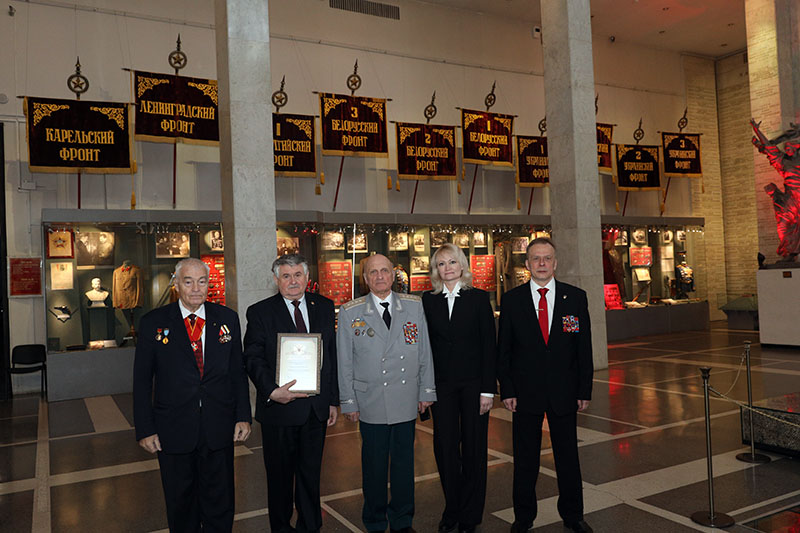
(387, 317)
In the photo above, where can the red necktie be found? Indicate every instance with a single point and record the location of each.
(299, 323)
(543, 314)
(194, 327)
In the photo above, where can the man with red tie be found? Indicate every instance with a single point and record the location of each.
(545, 367)
(191, 401)
(293, 424)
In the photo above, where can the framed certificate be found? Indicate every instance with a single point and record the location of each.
(299, 357)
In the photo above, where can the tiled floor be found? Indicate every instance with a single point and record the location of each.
(75, 466)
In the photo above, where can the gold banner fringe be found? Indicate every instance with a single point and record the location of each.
(389, 183)
(322, 178)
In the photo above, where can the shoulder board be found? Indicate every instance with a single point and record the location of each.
(412, 297)
(353, 303)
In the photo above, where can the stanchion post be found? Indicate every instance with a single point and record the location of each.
(751, 457)
(710, 518)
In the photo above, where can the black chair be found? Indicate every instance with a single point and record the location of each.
(34, 356)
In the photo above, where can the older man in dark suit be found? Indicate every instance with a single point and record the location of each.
(191, 401)
(293, 424)
(545, 367)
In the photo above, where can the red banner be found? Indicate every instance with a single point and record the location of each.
(532, 165)
(487, 137)
(604, 134)
(294, 146)
(353, 125)
(426, 151)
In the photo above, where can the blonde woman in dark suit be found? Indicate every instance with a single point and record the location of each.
(462, 334)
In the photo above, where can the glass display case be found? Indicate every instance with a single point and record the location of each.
(100, 278)
(647, 265)
(642, 264)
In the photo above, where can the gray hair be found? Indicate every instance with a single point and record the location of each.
(458, 254)
(190, 261)
(289, 260)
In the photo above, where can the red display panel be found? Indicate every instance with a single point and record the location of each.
(216, 278)
(641, 257)
(336, 281)
(612, 297)
(420, 283)
(483, 275)
(25, 276)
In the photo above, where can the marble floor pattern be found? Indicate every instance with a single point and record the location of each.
(74, 466)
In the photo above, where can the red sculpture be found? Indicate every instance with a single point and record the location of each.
(787, 202)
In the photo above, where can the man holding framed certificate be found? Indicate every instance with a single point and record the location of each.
(290, 355)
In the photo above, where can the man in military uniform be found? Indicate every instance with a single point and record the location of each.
(385, 378)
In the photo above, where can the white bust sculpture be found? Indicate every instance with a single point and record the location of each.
(97, 296)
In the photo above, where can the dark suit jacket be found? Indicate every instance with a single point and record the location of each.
(552, 376)
(463, 346)
(265, 320)
(168, 389)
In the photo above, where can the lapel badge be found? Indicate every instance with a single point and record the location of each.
(564, 297)
(371, 332)
(358, 332)
(159, 336)
(165, 339)
(224, 334)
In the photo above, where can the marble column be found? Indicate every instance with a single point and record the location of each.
(772, 98)
(246, 156)
(572, 152)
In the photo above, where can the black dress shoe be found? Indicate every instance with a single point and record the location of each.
(578, 527)
(403, 530)
(520, 527)
(466, 529)
(445, 527)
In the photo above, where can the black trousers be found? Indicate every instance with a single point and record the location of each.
(293, 460)
(527, 442)
(387, 454)
(460, 442)
(198, 488)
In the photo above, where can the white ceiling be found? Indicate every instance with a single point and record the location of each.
(709, 28)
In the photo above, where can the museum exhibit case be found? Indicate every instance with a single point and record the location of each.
(102, 271)
(652, 267)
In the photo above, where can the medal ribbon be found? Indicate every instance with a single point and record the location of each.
(194, 327)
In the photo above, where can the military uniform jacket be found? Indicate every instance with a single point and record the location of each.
(383, 374)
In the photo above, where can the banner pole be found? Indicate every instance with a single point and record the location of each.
(666, 192)
(625, 205)
(174, 170)
(472, 193)
(530, 201)
(414, 200)
(338, 182)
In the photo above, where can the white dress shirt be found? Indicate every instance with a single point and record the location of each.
(550, 298)
(451, 297)
(378, 302)
(303, 310)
